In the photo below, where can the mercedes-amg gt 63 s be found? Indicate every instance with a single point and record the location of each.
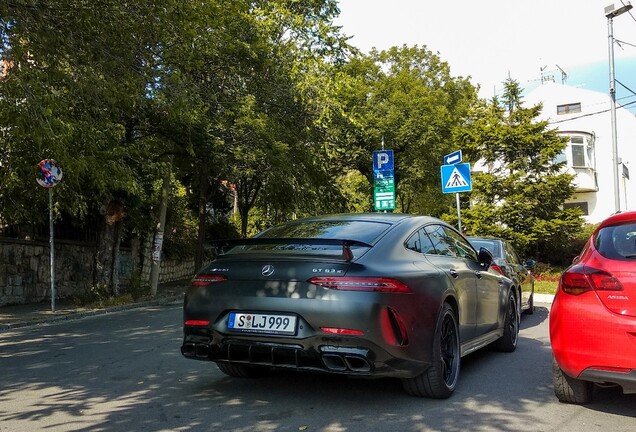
(369, 295)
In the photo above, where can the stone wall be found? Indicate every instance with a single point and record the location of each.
(25, 271)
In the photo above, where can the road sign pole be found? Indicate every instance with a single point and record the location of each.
(459, 213)
(52, 249)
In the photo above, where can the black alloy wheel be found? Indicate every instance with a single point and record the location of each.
(440, 379)
(508, 342)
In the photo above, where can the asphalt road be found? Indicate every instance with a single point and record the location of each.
(123, 372)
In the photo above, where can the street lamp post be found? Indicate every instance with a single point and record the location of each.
(611, 12)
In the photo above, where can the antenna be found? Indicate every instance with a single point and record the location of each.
(564, 76)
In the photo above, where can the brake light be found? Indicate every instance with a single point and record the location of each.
(580, 278)
(375, 284)
(206, 279)
(498, 269)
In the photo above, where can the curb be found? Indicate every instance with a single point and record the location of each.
(88, 313)
(543, 298)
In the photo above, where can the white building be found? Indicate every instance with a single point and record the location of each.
(584, 117)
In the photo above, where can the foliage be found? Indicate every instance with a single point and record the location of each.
(519, 191)
(404, 98)
(259, 101)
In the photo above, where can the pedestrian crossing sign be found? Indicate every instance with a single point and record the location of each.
(456, 178)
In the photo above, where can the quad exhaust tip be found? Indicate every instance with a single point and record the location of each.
(193, 350)
(343, 363)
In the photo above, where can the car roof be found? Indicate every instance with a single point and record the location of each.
(618, 218)
(484, 238)
(392, 218)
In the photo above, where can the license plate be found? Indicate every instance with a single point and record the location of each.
(262, 323)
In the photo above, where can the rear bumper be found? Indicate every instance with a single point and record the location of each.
(591, 343)
(348, 357)
(627, 380)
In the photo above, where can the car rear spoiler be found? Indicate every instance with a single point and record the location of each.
(346, 244)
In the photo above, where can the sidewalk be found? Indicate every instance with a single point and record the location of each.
(17, 316)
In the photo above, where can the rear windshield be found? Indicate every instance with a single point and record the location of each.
(363, 231)
(492, 246)
(617, 242)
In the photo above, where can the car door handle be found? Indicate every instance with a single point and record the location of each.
(454, 273)
(478, 274)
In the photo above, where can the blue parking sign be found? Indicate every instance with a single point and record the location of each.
(383, 160)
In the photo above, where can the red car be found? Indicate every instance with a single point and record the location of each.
(593, 316)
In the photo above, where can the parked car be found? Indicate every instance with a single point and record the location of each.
(367, 295)
(593, 315)
(507, 261)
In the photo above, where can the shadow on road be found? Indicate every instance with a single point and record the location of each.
(124, 372)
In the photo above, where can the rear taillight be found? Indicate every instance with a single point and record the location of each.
(498, 269)
(375, 284)
(580, 278)
(206, 279)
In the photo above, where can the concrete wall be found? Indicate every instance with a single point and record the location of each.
(25, 275)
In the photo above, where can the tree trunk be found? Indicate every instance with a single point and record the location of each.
(116, 255)
(107, 253)
(203, 203)
(248, 190)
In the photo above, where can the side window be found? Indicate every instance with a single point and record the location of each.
(511, 255)
(427, 244)
(441, 243)
(420, 242)
(461, 245)
(414, 243)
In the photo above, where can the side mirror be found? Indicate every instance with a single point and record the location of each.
(530, 264)
(485, 257)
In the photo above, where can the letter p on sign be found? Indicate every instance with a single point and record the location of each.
(383, 160)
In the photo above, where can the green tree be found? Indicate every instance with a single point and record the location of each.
(518, 189)
(407, 98)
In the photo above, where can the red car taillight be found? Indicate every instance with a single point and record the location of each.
(580, 278)
(375, 284)
(498, 269)
(205, 279)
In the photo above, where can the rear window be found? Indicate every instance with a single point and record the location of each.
(364, 231)
(617, 242)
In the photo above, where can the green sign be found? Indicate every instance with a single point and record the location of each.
(384, 193)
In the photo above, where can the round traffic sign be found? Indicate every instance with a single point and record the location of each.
(49, 173)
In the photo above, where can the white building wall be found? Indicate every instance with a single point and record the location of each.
(595, 118)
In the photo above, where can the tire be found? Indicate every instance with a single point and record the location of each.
(530, 309)
(241, 370)
(570, 390)
(508, 342)
(440, 379)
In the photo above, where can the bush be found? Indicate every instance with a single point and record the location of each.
(547, 272)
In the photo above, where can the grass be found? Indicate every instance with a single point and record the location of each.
(545, 286)
(546, 280)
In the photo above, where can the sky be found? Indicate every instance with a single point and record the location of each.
(491, 40)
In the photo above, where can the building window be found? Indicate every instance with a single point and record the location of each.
(569, 108)
(578, 151)
(581, 205)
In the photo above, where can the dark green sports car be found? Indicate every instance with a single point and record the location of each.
(374, 295)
